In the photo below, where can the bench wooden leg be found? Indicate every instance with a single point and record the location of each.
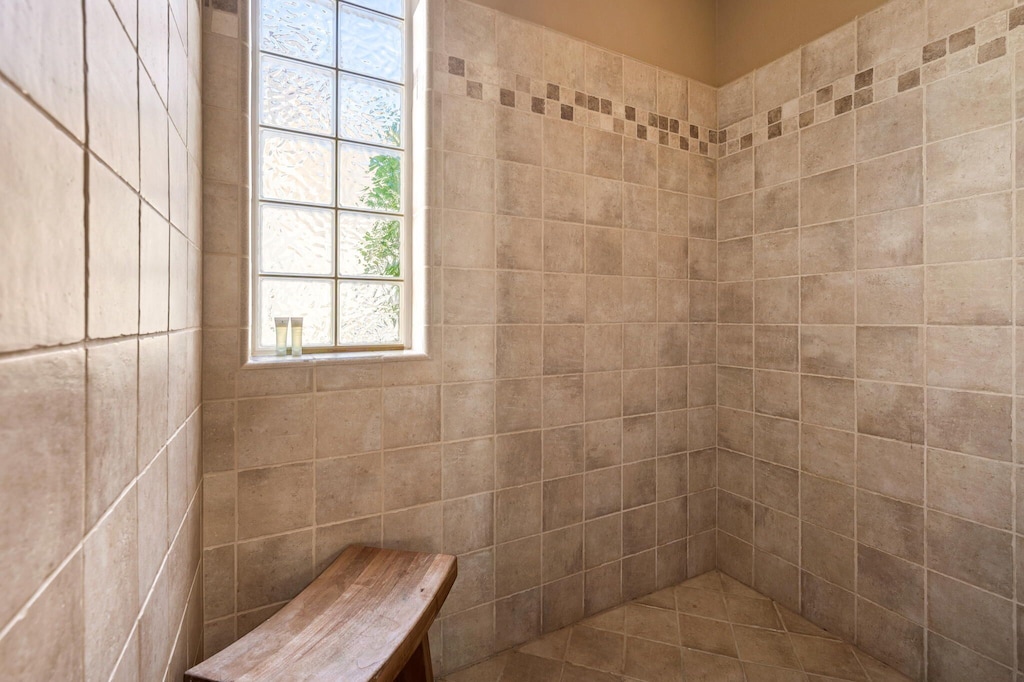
(418, 668)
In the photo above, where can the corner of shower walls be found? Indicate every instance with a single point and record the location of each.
(867, 237)
(561, 437)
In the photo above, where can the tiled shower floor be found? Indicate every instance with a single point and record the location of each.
(711, 628)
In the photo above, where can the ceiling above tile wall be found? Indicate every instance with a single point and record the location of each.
(713, 41)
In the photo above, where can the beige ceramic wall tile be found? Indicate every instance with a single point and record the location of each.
(828, 58)
(59, 86)
(882, 34)
(44, 267)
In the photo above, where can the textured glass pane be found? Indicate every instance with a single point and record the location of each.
(369, 245)
(370, 44)
(392, 7)
(296, 96)
(303, 29)
(296, 240)
(296, 168)
(308, 299)
(369, 178)
(368, 314)
(370, 111)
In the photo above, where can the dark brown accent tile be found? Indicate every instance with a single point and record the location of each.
(713, 136)
(630, 113)
(663, 137)
(663, 122)
(775, 115)
(537, 105)
(806, 118)
(863, 97)
(606, 106)
(723, 136)
(456, 66)
(774, 130)
(508, 97)
(909, 80)
(864, 79)
(593, 103)
(652, 120)
(684, 143)
(704, 148)
(1016, 18)
(567, 112)
(694, 132)
(673, 126)
(581, 99)
(933, 51)
(641, 132)
(747, 141)
(824, 95)
(554, 92)
(961, 40)
(844, 104)
(992, 50)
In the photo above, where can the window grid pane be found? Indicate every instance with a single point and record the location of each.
(330, 171)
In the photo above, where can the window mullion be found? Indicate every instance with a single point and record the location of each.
(376, 183)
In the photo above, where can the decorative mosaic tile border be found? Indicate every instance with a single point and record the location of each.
(990, 39)
(455, 76)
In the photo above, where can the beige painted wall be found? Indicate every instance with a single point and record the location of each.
(752, 33)
(713, 41)
(678, 35)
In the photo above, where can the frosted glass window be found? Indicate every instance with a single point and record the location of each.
(296, 240)
(329, 230)
(303, 29)
(370, 44)
(368, 314)
(296, 96)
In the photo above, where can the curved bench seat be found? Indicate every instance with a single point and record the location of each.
(364, 618)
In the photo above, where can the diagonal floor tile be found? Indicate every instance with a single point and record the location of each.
(702, 667)
(598, 649)
(551, 645)
(757, 612)
(798, 625)
(574, 673)
(526, 668)
(763, 673)
(613, 619)
(651, 623)
(765, 646)
(707, 635)
(662, 599)
(488, 671)
(828, 657)
(652, 661)
(712, 628)
(701, 603)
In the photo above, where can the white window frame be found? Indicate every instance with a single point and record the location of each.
(412, 314)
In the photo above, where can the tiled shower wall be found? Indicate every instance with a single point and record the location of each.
(868, 355)
(99, 346)
(560, 439)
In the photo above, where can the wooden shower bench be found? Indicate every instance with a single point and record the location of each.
(364, 618)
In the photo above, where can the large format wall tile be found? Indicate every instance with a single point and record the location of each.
(549, 439)
(884, 189)
(102, 442)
